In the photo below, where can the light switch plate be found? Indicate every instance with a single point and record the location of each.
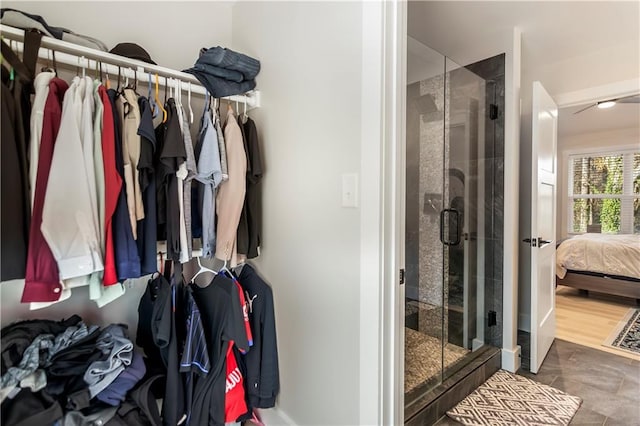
(350, 190)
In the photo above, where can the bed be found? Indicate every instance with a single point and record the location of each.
(604, 263)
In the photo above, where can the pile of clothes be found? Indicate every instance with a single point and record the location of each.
(225, 72)
(70, 373)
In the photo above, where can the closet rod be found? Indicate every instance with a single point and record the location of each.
(72, 54)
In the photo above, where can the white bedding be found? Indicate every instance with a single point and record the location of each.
(603, 253)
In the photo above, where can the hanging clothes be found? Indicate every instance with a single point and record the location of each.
(126, 251)
(249, 227)
(67, 216)
(104, 143)
(85, 93)
(186, 174)
(15, 204)
(261, 362)
(221, 145)
(230, 199)
(222, 319)
(210, 176)
(171, 155)
(112, 186)
(147, 228)
(41, 85)
(42, 278)
(98, 160)
(129, 115)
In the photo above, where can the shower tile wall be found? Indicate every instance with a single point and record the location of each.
(430, 194)
(492, 70)
(425, 151)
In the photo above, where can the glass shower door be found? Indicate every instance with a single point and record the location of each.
(424, 289)
(445, 181)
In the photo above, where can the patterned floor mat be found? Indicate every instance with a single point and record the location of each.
(510, 399)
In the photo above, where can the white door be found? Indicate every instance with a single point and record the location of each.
(543, 224)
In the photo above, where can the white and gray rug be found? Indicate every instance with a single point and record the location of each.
(510, 399)
(626, 335)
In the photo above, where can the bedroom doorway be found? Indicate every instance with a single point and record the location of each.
(591, 310)
(599, 201)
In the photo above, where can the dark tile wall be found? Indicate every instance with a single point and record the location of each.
(492, 70)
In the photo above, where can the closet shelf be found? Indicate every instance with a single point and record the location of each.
(81, 56)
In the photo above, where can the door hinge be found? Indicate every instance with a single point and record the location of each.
(401, 276)
(493, 111)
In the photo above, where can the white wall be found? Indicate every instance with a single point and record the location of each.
(590, 142)
(172, 32)
(310, 127)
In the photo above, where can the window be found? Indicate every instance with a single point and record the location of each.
(604, 192)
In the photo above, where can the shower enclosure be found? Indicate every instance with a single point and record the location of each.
(453, 212)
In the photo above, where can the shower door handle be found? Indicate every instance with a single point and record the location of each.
(456, 216)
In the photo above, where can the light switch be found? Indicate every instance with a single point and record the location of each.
(350, 190)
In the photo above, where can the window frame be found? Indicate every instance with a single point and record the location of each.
(626, 197)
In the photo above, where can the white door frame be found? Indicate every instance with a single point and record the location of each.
(383, 212)
(598, 93)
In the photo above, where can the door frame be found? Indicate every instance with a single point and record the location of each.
(382, 212)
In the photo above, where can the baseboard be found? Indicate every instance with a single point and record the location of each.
(524, 322)
(276, 417)
(511, 359)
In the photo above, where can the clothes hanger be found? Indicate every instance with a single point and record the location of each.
(244, 113)
(135, 80)
(119, 73)
(48, 67)
(55, 64)
(152, 102)
(189, 100)
(107, 81)
(166, 89)
(158, 103)
(178, 92)
(126, 84)
(202, 270)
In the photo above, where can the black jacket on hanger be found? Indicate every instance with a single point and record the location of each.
(15, 203)
(261, 362)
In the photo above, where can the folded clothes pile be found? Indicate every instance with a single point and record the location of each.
(224, 72)
(68, 373)
(19, 19)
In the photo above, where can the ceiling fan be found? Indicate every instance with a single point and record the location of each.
(608, 103)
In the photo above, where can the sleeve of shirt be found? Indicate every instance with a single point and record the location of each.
(269, 371)
(254, 152)
(236, 330)
(67, 216)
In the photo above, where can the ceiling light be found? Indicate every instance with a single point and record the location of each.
(606, 104)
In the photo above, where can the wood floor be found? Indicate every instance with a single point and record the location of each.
(588, 321)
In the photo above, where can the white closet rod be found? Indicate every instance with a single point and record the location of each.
(85, 57)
